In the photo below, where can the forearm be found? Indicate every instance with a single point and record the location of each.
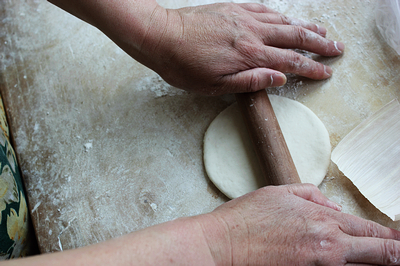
(179, 242)
(135, 25)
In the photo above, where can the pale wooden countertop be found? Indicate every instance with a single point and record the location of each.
(106, 147)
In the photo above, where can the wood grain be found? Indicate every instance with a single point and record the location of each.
(267, 138)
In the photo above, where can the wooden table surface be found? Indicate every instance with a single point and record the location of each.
(106, 147)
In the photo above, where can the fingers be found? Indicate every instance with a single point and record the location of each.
(356, 226)
(370, 242)
(288, 61)
(269, 61)
(257, 8)
(297, 37)
(374, 251)
(312, 193)
(301, 34)
(253, 80)
(279, 33)
(271, 64)
(276, 18)
(268, 15)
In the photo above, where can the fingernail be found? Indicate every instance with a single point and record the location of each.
(278, 79)
(339, 46)
(328, 71)
(338, 207)
(334, 205)
(321, 30)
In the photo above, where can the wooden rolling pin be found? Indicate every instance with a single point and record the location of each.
(266, 135)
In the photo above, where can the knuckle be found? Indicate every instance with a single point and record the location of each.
(310, 186)
(285, 20)
(262, 8)
(301, 35)
(391, 252)
(240, 43)
(250, 83)
(295, 61)
(254, 83)
(257, 7)
(250, 50)
(371, 230)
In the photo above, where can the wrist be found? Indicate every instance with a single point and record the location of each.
(225, 236)
(145, 30)
(130, 23)
(216, 236)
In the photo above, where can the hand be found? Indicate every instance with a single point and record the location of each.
(211, 49)
(228, 48)
(295, 225)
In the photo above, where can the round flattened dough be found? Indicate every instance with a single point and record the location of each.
(231, 162)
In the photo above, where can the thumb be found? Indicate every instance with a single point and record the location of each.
(254, 79)
(312, 193)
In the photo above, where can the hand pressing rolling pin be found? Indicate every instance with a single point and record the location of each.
(217, 49)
